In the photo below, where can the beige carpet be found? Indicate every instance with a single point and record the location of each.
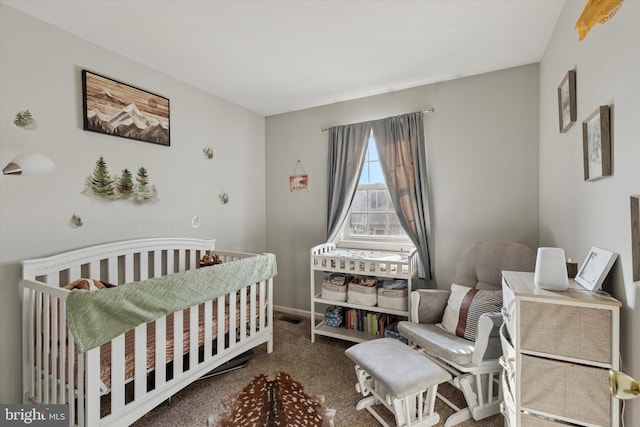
(322, 368)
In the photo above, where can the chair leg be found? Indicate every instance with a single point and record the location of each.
(478, 394)
(462, 415)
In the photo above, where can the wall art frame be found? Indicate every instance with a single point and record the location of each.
(115, 108)
(567, 104)
(596, 144)
(635, 237)
(595, 268)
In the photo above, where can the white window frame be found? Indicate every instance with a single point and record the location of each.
(391, 243)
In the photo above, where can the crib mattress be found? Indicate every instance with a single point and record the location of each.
(105, 349)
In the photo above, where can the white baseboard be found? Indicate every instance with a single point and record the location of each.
(297, 312)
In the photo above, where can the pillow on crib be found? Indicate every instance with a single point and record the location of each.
(464, 308)
(88, 285)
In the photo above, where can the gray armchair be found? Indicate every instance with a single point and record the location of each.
(473, 363)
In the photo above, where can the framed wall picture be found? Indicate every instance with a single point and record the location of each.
(596, 144)
(567, 106)
(635, 237)
(115, 108)
(595, 268)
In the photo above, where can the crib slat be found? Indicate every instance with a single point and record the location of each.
(140, 370)
(170, 266)
(74, 274)
(157, 263)
(54, 350)
(38, 388)
(144, 266)
(252, 307)
(112, 270)
(220, 318)
(30, 294)
(232, 319)
(161, 352)
(94, 270)
(243, 314)
(117, 373)
(262, 305)
(81, 391)
(193, 260)
(269, 317)
(63, 348)
(92, 391)
(178, 341)
(193, 336)
(181, 260)
(128, 268)
(46, 346)
(71, 386)
(208, 333)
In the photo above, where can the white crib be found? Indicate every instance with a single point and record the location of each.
(120, 381)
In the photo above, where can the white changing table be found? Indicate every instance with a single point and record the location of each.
(380, 264)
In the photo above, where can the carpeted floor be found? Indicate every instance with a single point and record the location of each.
(322, 368)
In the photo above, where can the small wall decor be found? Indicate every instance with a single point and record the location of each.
(595, 268)
(567, 111)
(24, 120)
(635, 237)
(596, 143)
(103, 185)
(299, 180)
(75, 221)
(596, 12)
(208, 153)
(224, 198)
(195, 222)
(118, 109)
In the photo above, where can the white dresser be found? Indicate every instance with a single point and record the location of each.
(558, 348)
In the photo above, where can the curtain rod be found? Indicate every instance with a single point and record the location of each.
(429, 110)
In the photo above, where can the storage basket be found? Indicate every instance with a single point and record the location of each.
(334, 287)
(392, 332)
(363, 291)
(394, 295)
(333, 316)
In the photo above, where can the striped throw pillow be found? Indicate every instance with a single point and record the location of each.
(464, 308)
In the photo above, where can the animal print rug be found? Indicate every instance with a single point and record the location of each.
(279, 402)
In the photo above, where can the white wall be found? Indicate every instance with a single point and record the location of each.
(482, 148)
(40, 71)
(575, 214)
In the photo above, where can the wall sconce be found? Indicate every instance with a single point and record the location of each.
(29, 164)
(596, 12)
(622, 386)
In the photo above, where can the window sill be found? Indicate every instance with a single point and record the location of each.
(376, 245)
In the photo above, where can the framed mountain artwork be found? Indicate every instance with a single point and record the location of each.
(115, 108)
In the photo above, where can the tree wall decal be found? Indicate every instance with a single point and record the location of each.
(104, 186)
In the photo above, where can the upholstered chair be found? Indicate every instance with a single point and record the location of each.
(459, 328)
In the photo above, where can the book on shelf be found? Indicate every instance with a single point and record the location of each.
(368, 321)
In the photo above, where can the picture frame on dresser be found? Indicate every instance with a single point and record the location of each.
(596, 144)
(567, 105)
(595, 268)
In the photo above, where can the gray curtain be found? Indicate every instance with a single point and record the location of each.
(347, 149)
(401, 148)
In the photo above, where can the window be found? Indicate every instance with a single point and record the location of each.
(372, 216)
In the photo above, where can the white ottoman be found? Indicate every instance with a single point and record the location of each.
(398, 377)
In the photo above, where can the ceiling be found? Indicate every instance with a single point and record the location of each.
(275, 56)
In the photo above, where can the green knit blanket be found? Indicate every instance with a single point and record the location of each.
(96, 317)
